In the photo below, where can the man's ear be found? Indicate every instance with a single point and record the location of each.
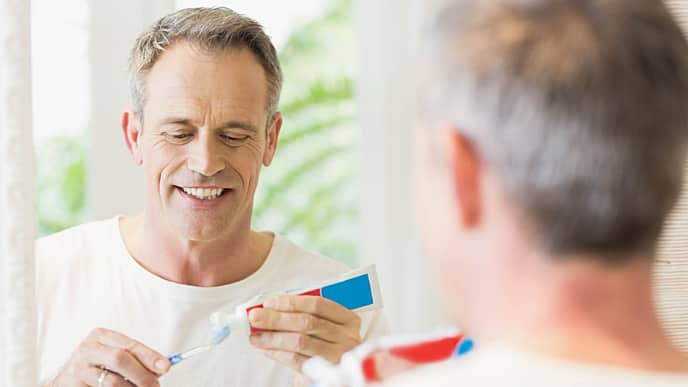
(132, 129)
(465, 167)
(272, 139)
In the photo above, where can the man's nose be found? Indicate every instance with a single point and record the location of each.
(206, 157)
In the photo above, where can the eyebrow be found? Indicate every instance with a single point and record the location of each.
(238, 124)
(226, 125)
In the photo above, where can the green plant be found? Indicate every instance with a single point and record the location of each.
(61, 183)
(309, 194)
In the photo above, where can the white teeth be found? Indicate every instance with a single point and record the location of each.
(204, 193)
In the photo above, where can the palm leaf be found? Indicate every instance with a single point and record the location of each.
(313, 128)
(295, 174)
(320, 92)
(306, 217)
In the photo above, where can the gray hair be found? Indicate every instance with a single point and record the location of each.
(580, 107)
(211, 29)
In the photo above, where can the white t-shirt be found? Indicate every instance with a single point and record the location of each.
(502, 366)
(87, 279)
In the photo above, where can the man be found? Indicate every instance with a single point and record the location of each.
(116, 296)
(557, 144)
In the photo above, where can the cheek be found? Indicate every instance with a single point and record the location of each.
(435, 211)
(151, 165)
(246, 162)
(160, 163)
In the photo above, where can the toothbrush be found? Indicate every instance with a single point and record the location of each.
(218, 335)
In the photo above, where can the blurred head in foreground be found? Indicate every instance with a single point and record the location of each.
(552, 144)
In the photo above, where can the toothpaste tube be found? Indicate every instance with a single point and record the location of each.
(357, 290)
(382, 358)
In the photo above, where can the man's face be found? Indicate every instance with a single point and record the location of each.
(204, 140)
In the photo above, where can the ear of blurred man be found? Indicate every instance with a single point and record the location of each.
(464, 165)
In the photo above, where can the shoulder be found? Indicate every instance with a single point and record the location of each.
(73, 238)
(58, 254)
(443, 374)
(486, 367)
(498, 366)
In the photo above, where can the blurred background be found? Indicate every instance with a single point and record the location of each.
(340, 183)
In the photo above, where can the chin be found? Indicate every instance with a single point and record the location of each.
(200, 230)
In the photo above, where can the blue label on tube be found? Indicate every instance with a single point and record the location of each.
(353, 293)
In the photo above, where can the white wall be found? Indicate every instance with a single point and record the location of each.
(115, 183)
(389, 36)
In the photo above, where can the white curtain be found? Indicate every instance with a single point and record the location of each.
(17, 214)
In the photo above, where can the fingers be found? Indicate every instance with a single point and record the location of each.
(387, 365)
(300, 344)
(299, 327)
(152, 360)
(126, 362)
(300, 380)
(313, 305)
(291, 359)
(123, 363)
(110, 379)
(272, 320)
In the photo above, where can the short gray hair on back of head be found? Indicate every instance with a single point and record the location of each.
(210, 29)
(579, 107)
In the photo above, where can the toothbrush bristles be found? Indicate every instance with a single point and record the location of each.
(219, 334)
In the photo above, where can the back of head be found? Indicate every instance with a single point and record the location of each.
(579, 107)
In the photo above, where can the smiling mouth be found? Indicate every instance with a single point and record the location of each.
(204, 193)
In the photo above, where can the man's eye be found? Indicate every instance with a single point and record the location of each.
(233, 138)
(178, 138)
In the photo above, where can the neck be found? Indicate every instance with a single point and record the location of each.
(209, 263)
(584, 311)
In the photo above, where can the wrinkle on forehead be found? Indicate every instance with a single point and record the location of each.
(207, 87)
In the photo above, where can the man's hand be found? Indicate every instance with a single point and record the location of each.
(304, 326)
(121, 360)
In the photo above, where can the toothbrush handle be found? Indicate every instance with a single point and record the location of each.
(175, 358)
